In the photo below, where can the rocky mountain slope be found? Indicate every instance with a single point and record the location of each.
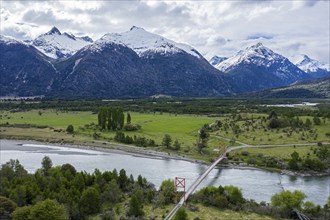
(24, 70)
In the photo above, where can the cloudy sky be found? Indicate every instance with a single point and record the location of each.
(215, 27)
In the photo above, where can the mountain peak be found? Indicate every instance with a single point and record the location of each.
(258, 45)
(308, 64)
(136, 28)
(216, 60)
(54, 30)
(57, 45)
(145, 43)
(256, 54)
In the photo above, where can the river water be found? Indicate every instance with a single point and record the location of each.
(255, 184)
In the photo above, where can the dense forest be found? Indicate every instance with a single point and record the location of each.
(61, 192)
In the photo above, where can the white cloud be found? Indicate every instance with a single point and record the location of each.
(212, 27)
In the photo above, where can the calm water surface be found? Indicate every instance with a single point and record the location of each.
(255, 184)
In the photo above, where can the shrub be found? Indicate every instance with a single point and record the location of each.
(70, 129)
(132, 127)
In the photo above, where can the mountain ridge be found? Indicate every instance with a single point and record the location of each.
(138, 63)
(55, 44)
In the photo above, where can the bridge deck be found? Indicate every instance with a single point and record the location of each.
(193, 187)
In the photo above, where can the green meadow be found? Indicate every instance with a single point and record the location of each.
(183, 128)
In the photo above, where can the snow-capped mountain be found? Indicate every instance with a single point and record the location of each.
(256, 54)
(258, 67)
(56, 45)
(216, 60)
(138, 63)
(261, 56)
(313, 67)
(145, 43)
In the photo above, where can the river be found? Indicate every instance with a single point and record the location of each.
(255, 184)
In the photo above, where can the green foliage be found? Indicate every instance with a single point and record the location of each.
(48, 209)
(272, 115)
(7, 206)
(111, 118)
(233, 194)
(90, 201)
(167, 189)
(293, 162)
(112, 193)
(222, 197)
(70, 129)
(274, 123)
(22, 213)
(123, 179)
(167, 141)
(316, 120)
(137, 140)
(79, 192)
(135, 206)
(203, 135)
(132, 127)
(181, 214)
(310, 208)
(129, 119)
(46, 165)
(44, 210)
(177, 145)
(287, 200)
(308, 123)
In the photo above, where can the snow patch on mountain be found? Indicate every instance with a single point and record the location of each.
(56, 45)
(308, 64)
(9, 40)
(216, 60)
(256, 54)
(144, 43)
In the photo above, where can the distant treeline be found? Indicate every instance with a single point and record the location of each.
(207, 106)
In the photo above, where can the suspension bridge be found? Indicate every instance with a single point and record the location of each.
(196, 183)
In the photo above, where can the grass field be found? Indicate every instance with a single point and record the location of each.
(279, 152)
(183, 128)
(257, 132)
(50, 118)
(208, 212)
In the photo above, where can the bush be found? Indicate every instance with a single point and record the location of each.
(70, 129)
(7, 206)
(245, 153)
(181, 214)
(132, 127)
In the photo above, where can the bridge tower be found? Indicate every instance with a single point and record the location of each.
(180, 183)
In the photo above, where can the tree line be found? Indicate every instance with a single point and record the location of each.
(281, 206)
(61, 193)
(210, 106)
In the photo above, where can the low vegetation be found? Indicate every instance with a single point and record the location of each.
(61, 192)
(202, 132)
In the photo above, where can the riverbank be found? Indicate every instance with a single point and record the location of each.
(256, 184)
(111, 147)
